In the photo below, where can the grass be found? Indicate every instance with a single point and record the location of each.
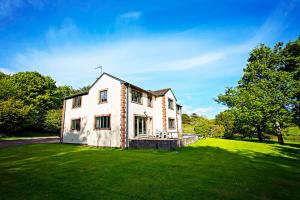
(208, 169)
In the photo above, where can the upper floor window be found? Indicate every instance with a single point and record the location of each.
(178, 108)
(102, 122)
(150, 103)
(103, 96)
(136, 96)
(171, 123)
(75, 124)
(76, 102)
(171, 104)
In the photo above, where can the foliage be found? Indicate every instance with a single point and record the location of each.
(203, 127)
(53, 120)
(226, 120)
(264, 99)
(12, 115)
(217, 131)
(211, 168)
(185, 118)
(26, 98)
(291, 64)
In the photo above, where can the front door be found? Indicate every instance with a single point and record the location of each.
(139, 125)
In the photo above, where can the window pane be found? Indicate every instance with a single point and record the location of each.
(103, 96)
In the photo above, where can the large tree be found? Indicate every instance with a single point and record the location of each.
(263, 99)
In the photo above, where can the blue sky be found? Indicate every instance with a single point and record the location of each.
(195, 47)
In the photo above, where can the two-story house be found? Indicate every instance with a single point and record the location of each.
(114, 111)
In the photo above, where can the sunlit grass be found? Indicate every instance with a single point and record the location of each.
(208, 169)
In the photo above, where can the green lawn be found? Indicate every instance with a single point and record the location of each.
(208, 169)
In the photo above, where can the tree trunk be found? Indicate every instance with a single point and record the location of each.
(279, 135)
(280, 138)
(260, 138)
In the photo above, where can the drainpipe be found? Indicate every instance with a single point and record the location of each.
(127, 121)
(63, 122)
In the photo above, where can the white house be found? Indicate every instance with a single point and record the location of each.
(114, 111)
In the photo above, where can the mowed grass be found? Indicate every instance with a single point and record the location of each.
(208, 169)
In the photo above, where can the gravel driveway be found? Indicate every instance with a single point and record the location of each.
(43, 140)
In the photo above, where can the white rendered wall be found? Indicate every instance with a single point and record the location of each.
(140, 109)
(89, 108)
(171, 113)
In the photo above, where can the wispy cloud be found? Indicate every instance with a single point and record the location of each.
(6, 71)
(209, 112)
(132, 15)
(7, 7)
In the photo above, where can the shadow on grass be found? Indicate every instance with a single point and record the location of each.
(74, 172)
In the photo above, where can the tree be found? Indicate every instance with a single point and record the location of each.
(37, 92)
(60, 93)
(263, 100)
(291, 64)
(227, 121)
(53, 120)
(12, 114)
(194, 116)
(202, 127)
(217, 131)
(185, 118)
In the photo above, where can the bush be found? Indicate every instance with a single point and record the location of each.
(217, 131)
(203, 129)
(12, 115)
(53, 121)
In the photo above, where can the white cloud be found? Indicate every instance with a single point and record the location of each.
(7, 7)
(132, 15)
(209, 112)
(6, 71)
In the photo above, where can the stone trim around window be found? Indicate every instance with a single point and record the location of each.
(103, 115)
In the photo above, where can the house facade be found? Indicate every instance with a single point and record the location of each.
(114, 111)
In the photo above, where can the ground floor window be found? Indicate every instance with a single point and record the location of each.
(102, 122)
(75, 124)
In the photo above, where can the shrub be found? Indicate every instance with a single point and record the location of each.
(53, 120)
(12, 115)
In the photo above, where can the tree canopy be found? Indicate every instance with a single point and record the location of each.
(265, 99)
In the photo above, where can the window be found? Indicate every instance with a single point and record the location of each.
(139, 125)
(136, 96)
(149, 97)
(76, 102)
(102, 122)
(171, 104)
(75, 124)
(103, 96)
(171, 123)
(178, 108)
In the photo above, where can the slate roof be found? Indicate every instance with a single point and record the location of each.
(155, 92)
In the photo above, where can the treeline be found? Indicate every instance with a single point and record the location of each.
(266, 99)
(202, 126)
(32, 102)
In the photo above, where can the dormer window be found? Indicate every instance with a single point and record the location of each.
(103, 96)
(171, 104)
(76, 102)
(136, 97)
